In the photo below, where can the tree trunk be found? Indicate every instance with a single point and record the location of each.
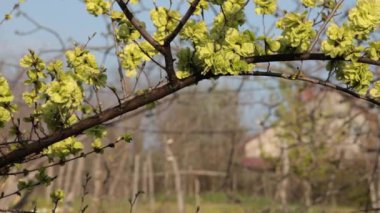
(234, 182)
(97, 173)
(330, 195)
(61, 172)
(197, 189)
(145, 180)
(265, 184)
(307, 193)
(374, 158)
(136, 180)
(191, 181)
(283, 186)
(74, 187)
(49, 189)
(377, 182)
(373, 194)
(177, 177)
(67, 183)
(77, 182)
(118, 174)
(166, 178)
(151, 183)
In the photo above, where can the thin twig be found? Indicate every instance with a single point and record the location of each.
(331, 15)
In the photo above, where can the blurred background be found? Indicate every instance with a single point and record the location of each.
(234, 144)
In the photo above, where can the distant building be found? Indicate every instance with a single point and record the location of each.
(342, 122)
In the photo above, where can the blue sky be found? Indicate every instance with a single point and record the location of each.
(71, 21)
(66, 17)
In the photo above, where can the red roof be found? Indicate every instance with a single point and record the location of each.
(259, 164)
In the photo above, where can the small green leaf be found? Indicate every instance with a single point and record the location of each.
(127, 138)
(57, 195)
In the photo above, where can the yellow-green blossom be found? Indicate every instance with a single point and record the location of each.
(62, 149)
(311, 3)
(232, 16)
(297, 32)
(6, 108)
(165, 21)
(265, 6)
(133, 55)
(375, 91)
(5, 116)
(241, 43)
(97, 7)
(85, 67)
(364, 18)
(356, 75)
(340, 41)
(57, 195)
(373, 51)
(202, 5)
(5, 92)
(195, 31)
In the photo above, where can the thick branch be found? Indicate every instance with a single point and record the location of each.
(109, 114)
(303, 57)
(169, 65)
(165, 90)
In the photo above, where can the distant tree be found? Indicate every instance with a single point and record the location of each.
(322, 143)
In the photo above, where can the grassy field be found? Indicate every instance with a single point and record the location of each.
(210, 203)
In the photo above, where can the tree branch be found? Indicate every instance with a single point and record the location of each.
(139, 27)
(168, 52)
(109, 114)
(314, 81)
(169, 65)
(182, 22)
(167, 89)
(303, 57)
(328, 19)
